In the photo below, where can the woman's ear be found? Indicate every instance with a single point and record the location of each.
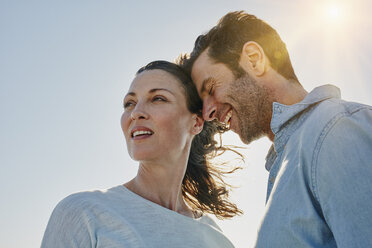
(198, 124)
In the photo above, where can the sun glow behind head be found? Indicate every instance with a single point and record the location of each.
(335, 14)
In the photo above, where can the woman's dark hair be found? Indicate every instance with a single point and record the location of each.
(203, 187)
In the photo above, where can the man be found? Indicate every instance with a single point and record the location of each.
(320, 163)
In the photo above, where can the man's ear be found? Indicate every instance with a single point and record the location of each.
(253, 59)
(198, 124)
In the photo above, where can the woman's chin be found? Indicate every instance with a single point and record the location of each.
(143, 156)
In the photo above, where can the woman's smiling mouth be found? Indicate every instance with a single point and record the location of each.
(141, 133)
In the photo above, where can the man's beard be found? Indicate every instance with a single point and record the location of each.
(253, 105)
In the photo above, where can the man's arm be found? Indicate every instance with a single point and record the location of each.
(342, 179)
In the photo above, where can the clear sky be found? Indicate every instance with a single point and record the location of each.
(66, 65)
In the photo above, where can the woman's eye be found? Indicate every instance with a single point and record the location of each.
(128, 104)
(159, 98)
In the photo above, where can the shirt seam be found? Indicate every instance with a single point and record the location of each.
(314, 163)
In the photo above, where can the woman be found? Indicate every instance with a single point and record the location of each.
(164, 205)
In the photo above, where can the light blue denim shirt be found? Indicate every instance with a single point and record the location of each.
(320, 182)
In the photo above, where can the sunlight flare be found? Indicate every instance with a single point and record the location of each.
(333, 12)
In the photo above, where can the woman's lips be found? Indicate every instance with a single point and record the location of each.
(141, 133)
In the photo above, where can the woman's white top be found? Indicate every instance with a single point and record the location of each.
(118, 217)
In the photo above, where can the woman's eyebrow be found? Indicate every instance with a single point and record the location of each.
(130, 94)
(158, 89)
(150, 91)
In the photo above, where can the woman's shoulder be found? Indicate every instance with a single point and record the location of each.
(73, 220)
(78, 199)
(208, 220)
(85, 200)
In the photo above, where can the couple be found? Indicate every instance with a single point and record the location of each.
(319, 188)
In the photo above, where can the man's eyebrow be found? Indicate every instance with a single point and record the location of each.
(204, 84)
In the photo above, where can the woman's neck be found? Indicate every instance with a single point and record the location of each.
(161, 184)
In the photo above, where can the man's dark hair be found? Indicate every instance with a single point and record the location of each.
(226, 40)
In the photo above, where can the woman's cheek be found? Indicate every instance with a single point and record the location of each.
(124, 122)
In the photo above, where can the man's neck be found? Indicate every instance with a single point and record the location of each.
(284, 91)
(290, 93)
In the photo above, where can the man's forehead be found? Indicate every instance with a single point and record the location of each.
(202, 70)
(204, 59)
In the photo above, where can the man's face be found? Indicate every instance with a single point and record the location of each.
(243, 104)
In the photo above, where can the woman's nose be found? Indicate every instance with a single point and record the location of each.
(209, 109)
(139, 112)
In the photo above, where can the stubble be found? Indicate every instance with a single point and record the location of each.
(253, 104)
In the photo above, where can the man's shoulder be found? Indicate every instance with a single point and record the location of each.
(333, 106)
(321, 119)
(326, 113)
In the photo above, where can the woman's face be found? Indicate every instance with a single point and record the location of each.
(156, 122)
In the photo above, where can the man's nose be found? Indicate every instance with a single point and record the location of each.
(209, 109)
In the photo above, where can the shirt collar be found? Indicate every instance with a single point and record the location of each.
(283, 113)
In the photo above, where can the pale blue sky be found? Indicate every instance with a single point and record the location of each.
(66, 65)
